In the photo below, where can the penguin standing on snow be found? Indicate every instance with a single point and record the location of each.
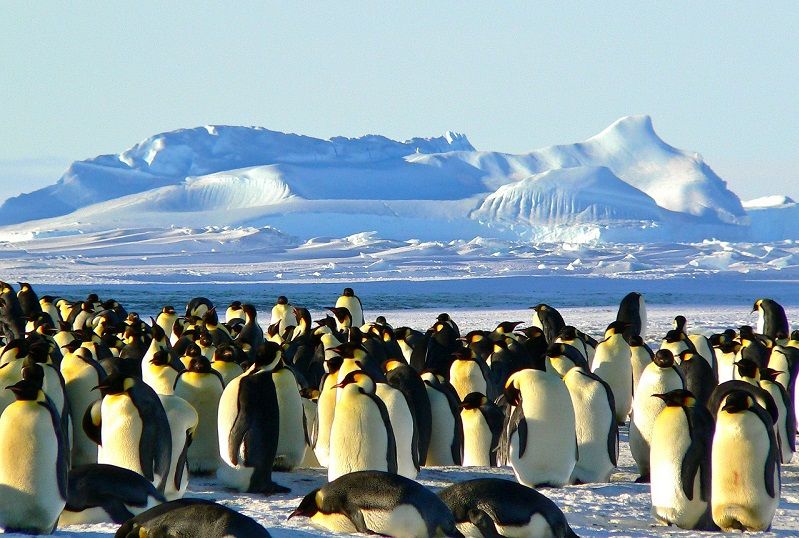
(680, 462)
(612, 363)
(482, 423)
(374, 502)
(249, 422)
(494, 507)
(33, 462)
(446, 430)
(351, 302)
(745, 489)
(405, 379)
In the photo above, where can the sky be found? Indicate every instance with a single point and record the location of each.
(89, 78)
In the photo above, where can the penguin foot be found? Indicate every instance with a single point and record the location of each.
(643, 479)
(273, 488)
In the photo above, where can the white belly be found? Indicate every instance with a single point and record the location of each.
(593, 417)
(291, 439)
(442, 431)
(612, 363)
(476, 439)
(358, 438)
(203, 392)
(402, 424)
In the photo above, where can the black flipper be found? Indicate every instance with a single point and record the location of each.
(484, 523)
(92, 430)
(62, 457)
(181, 464)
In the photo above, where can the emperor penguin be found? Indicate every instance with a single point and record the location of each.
(570, 336)
(785, 426)
(726, 351)
(745, 490)
(161, 372)
(131, 427)
(291, 436)
(182, 418)
(406, 432)
(595, 426)
(106, 494)
(361, 436)
(485, 507)
(249, 424)
(408, 381)
(34, 462)
(47, 305)
(251, 335)
(549, 320)
(659, 377)
(166, 320)
(351, 302)
(201, 386)
(540, 454)
(482, 423)
(771, 318)
(640, 356)
(467, 374)
(282, 314)
(375, 502)
(198, 306)
(82, 374)
(752, 348)
(28, 300)
(234, 311)
(612, 363)
(682, 436)
(632, 311)
(191, 517)
(325, 409)
(224, 361)
(698, 375)
(310, 397)
(446, 430)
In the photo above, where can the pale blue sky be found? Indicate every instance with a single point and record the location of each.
(719, 78)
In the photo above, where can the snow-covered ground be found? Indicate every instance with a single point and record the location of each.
(618, 508)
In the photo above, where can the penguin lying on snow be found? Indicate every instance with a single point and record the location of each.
(492, 507)
(376, 502)
(191, 517)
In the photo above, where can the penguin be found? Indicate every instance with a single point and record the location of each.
(482, 423)
(291, 436)
(226, 364)
(405, 379)
(325, 410)
(442, 341)
(351, 302)
(131, 426)
(198, 306)
(47, 305)
(570, 336)
(234, 311)
(541, 455)
(343, 318)
(745, 483)
(467, 374)
(612, 363)
(192, 351)
(752, 348)
(282, 314)
(548, 320)
(486, 507)
(698, 375)
(183, 419)
(403, 424)
(361, 435)
(640, 356)
(446, 429)
(251, 335)
(726, 351)
(310, 397)
(561, 358)
(34, 461)
(161, 372)
(99, 493)
(201, 386)
(249, 424)
(28, 300)
(12, 320)
(191, 517)
(595, 426)
(375, 502)
(632, 311)
(413, 346)
(660, 377)
(771, 319)
(82, 374)
(680, 475)
(785, 426)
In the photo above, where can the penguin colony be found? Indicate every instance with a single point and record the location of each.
(106, 416)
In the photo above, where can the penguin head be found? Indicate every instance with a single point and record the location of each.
(72, 346)
(342, 314)
(333, 364)
(92, 298)
(507, 327)
(160, 358)
(679, 323)
(27, 390)
(795, 335)
(635, 341)
(268, 355)
(193, 351)
(309, 506)
(24, 286)
(169, 310)
(225, 353)
(677, 398)
(205, 340)
(746, 332)
(663, 358)
(235, 305)
(200, 365)
(617, 327)
(115, 383)
(210, 318)
(282, 300)
(158, 333)
(249, 311)
(360, 378)
(568, 333)
(747, 368)
(348, 292)
(474, 400)
(392, 364)
(350, 350)
(737, 401)
(687, 355)
(674, 335)
(770, 374)
(381, 320)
